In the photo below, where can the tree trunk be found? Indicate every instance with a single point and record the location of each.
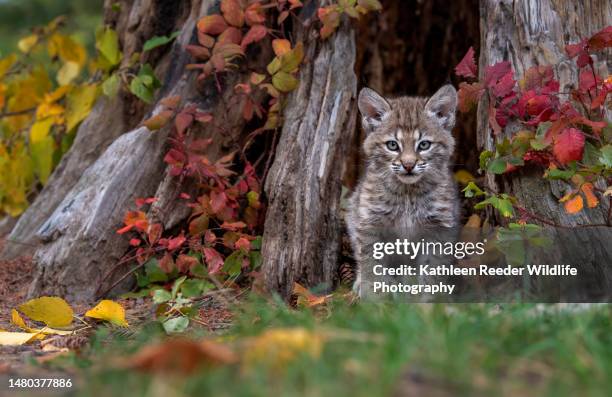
(535, 32)
(74, 221)
(302, 231)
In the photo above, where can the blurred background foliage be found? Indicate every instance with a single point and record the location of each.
(18, 17)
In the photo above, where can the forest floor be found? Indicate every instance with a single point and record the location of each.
(259, 346)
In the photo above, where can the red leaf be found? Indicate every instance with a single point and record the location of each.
(255, 34)
(154, 232)
(218, 201)
(469, 95)
(198, 52)
(575, 49)
(536, 77)
(232, 12)
(495, 72)
(467, 66)
(537, 104)
(569, 145)
(185, 196)
(233, 226)
(166, 263)
(231, 35)
(184, 263)
(504, 86)
(596, 126)
(143, 201)
(134, 219)
(243, 244)
(183, 121)
(587, 80)
(135, 242)
(212, 24)
(601, 39)
(175, 243)
(254, 14)
(214, 260)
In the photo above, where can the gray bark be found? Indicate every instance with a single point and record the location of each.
(303, 227)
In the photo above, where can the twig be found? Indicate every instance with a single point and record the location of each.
(17, 112)
(140, 266)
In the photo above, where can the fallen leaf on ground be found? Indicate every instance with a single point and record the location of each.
(181, 356)
(51, 310)
(277, 347)
(109, 311)
(20, 322)
(307, 298)
(18, 338)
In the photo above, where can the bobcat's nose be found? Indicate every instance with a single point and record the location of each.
(408, 165)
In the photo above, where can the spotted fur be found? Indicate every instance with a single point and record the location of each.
(407, 184)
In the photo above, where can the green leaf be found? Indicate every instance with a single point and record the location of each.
(606, 156)
(107, 43)
(497, 166)
(111, 85)
(145, 84)
(154, 273)
(176, 325)
(472, 190)
(192, 288)
(161, 296)
(256, 244)
(556, 173)
(233, 263)
(158, 41)
(284, 82)
(177, 285)
(484, 159)
(255, 259)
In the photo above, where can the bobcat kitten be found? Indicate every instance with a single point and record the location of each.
(407, 184)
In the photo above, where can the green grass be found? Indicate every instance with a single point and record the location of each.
(468, 349)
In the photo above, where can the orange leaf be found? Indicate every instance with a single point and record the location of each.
(281, 46)
(254, 14)
(574, 205)
(212, 24)
(255, 34)
(232, 12)
(591, 199)
(134, 219)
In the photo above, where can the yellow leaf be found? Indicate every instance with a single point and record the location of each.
(57, 94)
(277, 347)
(47, 109)
(574, 205)
(40, 130)
(67, 49)
(19, 321)
(18, 338)
(79, 104)
(6, 63)
(68, 72)
(51, 310)
(26, 44)
(591, 199)
(109, 311)
(464, 177)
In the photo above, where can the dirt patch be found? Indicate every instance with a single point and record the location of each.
(15, 278)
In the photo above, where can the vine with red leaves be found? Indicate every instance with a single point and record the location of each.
(221, 240)
(567, 134)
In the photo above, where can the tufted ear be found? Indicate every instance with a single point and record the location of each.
(441, 107)
(373, 107)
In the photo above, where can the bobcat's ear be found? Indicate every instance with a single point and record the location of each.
(441, 107)
(373, 107)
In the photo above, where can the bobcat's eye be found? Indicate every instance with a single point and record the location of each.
(392, 145)
(424, 145)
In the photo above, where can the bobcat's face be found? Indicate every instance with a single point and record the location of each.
(409, 138)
